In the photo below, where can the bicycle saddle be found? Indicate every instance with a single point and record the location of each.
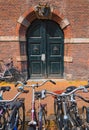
(5, 88)
(70, 88)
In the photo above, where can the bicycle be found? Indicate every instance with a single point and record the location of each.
(12, 111)
(38, 119)
(42, 112)
(10, 73)
(3, 111)
(67, 114)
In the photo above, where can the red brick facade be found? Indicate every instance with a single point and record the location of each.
(72, 16)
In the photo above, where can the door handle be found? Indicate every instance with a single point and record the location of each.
(43, 57)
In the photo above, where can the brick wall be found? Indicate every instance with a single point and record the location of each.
(77, 13)
(78, 68)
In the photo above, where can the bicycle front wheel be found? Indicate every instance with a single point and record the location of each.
(17, 118)
(59, 114)
(21, 117)
(3, 118)
(42, 120)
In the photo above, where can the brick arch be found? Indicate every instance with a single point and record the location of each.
(25, 20)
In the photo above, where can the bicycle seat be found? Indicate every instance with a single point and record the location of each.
(7, 64)
(5, 88)
(70, 88)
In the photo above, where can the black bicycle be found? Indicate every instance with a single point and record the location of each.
(4, 111)
(12, 112)
(66, 109)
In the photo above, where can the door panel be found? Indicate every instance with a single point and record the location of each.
(55, 50)
(45, 49)
(35, 49)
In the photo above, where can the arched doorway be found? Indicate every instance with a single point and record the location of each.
(45, 49)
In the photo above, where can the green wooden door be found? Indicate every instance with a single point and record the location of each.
(45, 50)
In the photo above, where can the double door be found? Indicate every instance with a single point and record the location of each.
(45, 49)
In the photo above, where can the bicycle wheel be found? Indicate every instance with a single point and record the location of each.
(3, 118)
(13, 119)
(17, 118)
(2, 122)
(21, 117)
(59, 120)
(59, 114)
(42, 123)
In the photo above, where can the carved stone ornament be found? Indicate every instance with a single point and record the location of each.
(43, 11)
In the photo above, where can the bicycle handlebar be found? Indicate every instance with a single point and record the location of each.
(33, 85)
(19, 82)
(5, 88)
(84, 88)
(20, 91)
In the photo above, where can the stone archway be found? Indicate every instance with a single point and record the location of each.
(29, 16)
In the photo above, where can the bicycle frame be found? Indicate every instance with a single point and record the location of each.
(36, 120)
(42, 111)
(33, 122)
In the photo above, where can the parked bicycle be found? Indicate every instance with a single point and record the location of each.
(38, 119)
(3, 111)
(9, 72)
(66, 109)
(12, 112)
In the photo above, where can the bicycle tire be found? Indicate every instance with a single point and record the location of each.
(58, 114)
(3, 119)
(2, 122)
(16, 121)
(42, 119)
(21, 122)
